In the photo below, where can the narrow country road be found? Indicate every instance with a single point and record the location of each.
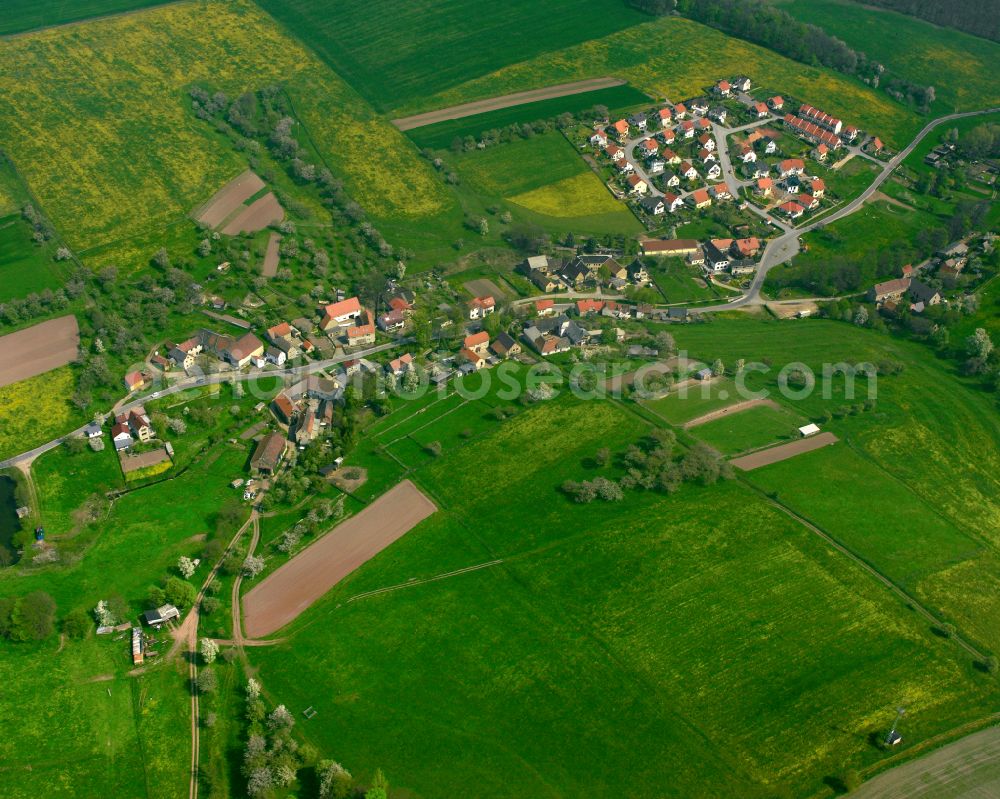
(187, 634)
(129, 402)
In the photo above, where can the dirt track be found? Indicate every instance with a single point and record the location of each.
(272, 257)
(38, 349)
(227, 199)
(765, 457)
(729, 409)
(504, 101)
(966, 769)
(288, 591)
(257, 216)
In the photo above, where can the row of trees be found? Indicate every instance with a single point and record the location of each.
(652, 464)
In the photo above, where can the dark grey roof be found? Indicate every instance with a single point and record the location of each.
(921, 291)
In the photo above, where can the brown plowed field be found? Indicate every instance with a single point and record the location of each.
(765, 457)
(227, 199)
(711, 416)
(292, 588)
(263, 212)
(504, 101)
(37, 349)
(272, 257)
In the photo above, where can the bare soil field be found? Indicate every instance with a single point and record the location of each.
(782, 452)
(484, 288)
(966, 769)
(504, 101)
(272, 256)
(227, 199)
(132, 463)
(38, 349)
(736, 408)
(292, 588)
(263, 212)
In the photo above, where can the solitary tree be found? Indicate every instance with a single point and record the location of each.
(253, 566)
(209, 650)
(185, 566)
(207, 682)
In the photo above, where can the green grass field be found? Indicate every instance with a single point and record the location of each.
(25, 267)
(933, 437)
(857, 238)
(398, 53)
(683, 405)
(752, 428)
(64, 482)
(78, 740)
(951, 61)
(544, 181)
(601, 635)
(87, 729)
(677, 58)
(440, 135)
(37, 410)
(680, 282)
(83, 149)
(26, 15)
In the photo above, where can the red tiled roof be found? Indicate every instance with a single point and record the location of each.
(482, 337)
(280, 329)
(359, 331)
(343, 308)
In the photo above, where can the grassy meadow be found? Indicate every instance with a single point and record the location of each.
(86, 729)
(36, 410)
(83, 147)
(64, 481)
(677, 58)
(752, 428)
(98, 730)
(926, 459)
(25, 266)
(544, 180)
(400, 53)
(601, 619)
(951, 61)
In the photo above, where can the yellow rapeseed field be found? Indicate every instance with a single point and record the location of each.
(580, 195)
(95, 116)
(35, 410)
(676, 58)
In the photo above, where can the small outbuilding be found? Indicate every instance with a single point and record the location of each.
(808, 430)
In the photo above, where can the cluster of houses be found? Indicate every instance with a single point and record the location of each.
(236, 352)
(134, 425)
(892, 294)
(737, 256)
(551, 275)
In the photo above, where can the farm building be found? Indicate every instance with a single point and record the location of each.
(161, 615)
(267, 457)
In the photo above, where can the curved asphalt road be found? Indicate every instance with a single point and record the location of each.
(786, 246)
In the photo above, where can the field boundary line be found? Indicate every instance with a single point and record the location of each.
(886, 581)
(501, 101)
(436, 419)
(973, 534)
(414, 582)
